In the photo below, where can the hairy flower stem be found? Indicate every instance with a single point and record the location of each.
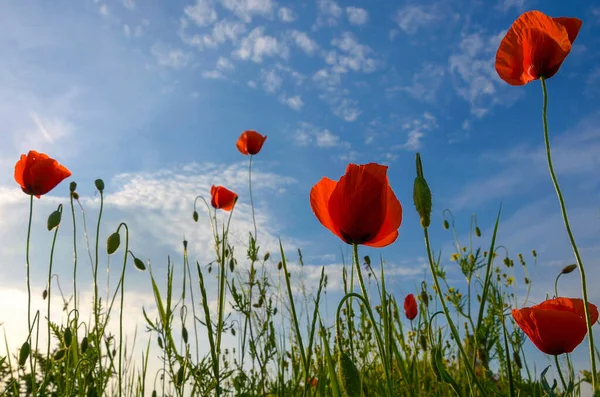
(565, 217)
(251, 199)
(28, 280)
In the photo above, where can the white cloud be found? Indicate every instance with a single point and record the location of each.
(129, 4)
(347, 109)
(411, 18)
(252, 84)
(357, 16)
(328, 13)
(103, 10)
(202, 12)
(246, 9)
(170, 57)
(126, 30)
(224, 64)
(222, 31)
(213, 75)
(425, 83)
(302, 40)
(356, 56)
(307, 134)
(257, 45)
(294, 102)
(506, 5)
(287, 14)
(416, 129)
(271, 80)
(475, 78)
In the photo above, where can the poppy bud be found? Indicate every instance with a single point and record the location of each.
(195, 216)
(422, 196)
(477, 231)
(24, 353)
(99, 185)
(568, 269)
(112, 243)
(54, 219)
(75, 195)
(446, 225)
(139, 264)
(72, 187)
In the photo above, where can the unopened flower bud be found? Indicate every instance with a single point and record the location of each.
(568, 269)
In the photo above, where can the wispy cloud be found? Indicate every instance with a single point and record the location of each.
(303, 41)
(247, 9)
(357, 16)
(169, 57)
(416, 130)
(258, 45)
(425, 83)
(287, 14)
(294, 102)
(474, 75)
(328, 13)
(412, 18)
(203, 12)
(308, 134)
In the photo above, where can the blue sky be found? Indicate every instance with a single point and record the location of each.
(151, 96)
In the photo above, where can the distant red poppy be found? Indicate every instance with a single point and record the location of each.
(535, 46)
(313, 382)
(250, 142)
(555, 326)
(410, 307)
(222, 198)
(38, 174)
(361, 208)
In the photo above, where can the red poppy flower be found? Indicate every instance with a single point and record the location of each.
(361, 208)
(555, 326)
(410, 307)
(313, 382)
(38, 174)
(250, 142)
(535, 46)
(222, 198)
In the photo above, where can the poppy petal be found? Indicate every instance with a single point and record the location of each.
(358, 202)
(572, 25)
(319, 201)
(384, 241)
(393, 220)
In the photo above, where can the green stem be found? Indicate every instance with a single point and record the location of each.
(455, 333)
(122, 282)
(565, 217)
(562, 378)
(49, 362)
(97, 327)
(28, 280)
(251, 199)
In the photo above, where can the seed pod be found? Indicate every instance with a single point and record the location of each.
(84, 344)
(568, 269)
(24, 353)
(112, 243)
(60, 354)
(184, 334)
(54, 219)
(68, 337)
(139, 264)
(99, 185)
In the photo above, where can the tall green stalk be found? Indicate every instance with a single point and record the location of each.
(565, 217)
